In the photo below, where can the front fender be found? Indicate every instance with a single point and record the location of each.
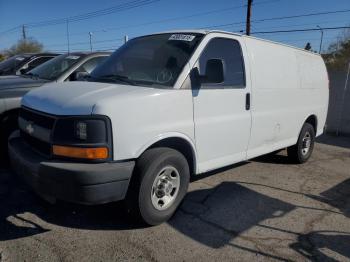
(165, 136)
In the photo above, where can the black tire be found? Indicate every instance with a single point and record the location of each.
(148, 166)
(8, 124)
(298, 153)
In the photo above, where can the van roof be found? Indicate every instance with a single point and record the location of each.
(205, 32)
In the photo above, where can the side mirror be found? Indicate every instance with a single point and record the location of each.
(22, 71)
(214, 72)
(78, 75)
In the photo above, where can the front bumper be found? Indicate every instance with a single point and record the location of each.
(82, 183)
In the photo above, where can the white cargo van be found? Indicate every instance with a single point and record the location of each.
(164, 107)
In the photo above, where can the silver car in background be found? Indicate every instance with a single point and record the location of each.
(66, 67)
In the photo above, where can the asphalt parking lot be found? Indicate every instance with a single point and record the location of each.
(263, 209)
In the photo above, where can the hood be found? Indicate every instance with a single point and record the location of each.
(11, 82)
(77, 98)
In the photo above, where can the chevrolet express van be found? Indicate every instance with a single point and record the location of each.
(164, 107)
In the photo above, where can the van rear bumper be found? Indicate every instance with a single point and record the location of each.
(82, 183)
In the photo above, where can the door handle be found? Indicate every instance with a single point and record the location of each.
(247, 101)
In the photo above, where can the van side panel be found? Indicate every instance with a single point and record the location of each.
(283, 95)
(314, 84)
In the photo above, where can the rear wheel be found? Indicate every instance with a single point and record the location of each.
(158, 185)
(302, 150)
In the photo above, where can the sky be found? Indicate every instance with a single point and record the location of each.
(108, 31)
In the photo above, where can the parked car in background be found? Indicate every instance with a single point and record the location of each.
(20, 64)
(63, 68)
(164, 107)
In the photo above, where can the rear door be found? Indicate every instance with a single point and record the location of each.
(221, 111)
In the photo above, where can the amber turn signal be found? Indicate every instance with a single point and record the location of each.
(80, 152)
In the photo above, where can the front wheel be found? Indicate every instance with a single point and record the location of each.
(159, 184)
(302, 150)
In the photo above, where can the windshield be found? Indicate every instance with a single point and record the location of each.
(10, 65)
(55, 67)
(155, 60)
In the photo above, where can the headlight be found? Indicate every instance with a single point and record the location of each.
(83, 138)
(81, 130)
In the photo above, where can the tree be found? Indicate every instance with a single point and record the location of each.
(338, 56)
(2, 57)
(28, 45)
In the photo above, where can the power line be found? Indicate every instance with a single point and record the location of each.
(302, 15)
(103, 48)
(166, 20)
(161, 21)
(301, 30)
(301, 39)
(113, 48)
(201, 14)
(184, 17)
(14, 29)
(262, 32)
(118, 8)
(304, 24)
(85, 43)
(102, 12)
(144, 2)
(280, 18)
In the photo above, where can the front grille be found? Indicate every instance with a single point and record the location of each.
(37, 119)
(41, 147)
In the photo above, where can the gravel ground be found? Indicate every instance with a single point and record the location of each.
(266, 209)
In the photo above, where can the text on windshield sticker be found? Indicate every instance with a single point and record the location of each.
(181, 37)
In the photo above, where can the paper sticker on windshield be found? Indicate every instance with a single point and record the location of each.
(19, 58)
(181, 37)
(74, 57)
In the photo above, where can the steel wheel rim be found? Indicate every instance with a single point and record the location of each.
(165, 188)
(306, 144)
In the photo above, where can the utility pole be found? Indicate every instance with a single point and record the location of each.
(90, 36)
(321, 29)
(249, 12)
(67, 31)
(24, 32)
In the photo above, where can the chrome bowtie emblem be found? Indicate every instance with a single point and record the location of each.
(30, 128)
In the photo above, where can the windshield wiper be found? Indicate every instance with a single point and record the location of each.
(120, 78)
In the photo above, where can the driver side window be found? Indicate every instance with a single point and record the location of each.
(229, 51)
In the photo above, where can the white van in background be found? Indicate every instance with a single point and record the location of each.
(166, 106)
